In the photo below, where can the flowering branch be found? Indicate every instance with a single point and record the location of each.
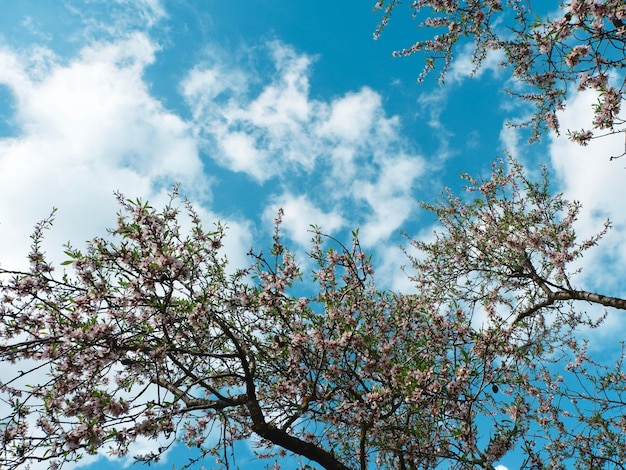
(582, 46)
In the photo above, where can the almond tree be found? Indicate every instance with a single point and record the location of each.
(150, 333)
(580, 47)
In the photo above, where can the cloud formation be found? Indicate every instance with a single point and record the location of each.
(348, 147)
(84, 128)
(588, 175)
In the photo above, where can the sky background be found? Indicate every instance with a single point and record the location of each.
(253, 106)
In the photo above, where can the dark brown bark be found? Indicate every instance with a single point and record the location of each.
(564, 295)
(605, 300)
(268, 431)
(281, 438)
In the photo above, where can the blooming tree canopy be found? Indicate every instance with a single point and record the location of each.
(151, 334)
(579, 45)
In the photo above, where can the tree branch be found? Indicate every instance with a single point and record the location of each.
(281, 438)
(200, 403)
(564, 295)
(605, 300)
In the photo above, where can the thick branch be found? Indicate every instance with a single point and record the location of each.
(617, 23)
(362, 444)
(605, 300)
(532, 310)
(565, 295)
(283, 439)
(270, 432)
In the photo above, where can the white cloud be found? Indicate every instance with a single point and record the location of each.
(203, 85)
(299, 214)
(352, 116)
(274, 129)
(242, 153)
(283, 106)
(275, 121)
(290, 130)
(389, 259)
(390, 198)
(85, 128)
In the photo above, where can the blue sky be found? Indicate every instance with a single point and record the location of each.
(253, 106)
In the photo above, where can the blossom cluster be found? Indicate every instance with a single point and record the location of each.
(579, 49)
